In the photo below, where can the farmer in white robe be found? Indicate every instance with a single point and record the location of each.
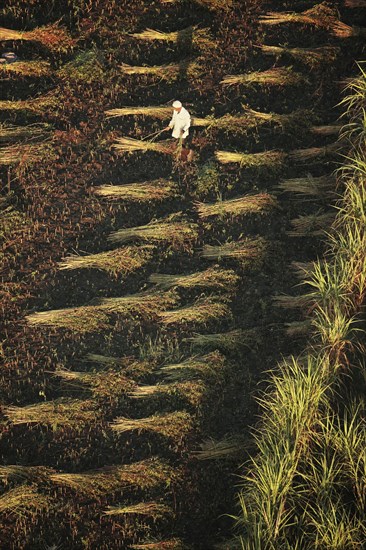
(180, 122)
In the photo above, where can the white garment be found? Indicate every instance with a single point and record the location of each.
(180, 121)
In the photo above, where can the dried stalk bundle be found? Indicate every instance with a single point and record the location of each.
(179, 234)
(292, 302)
(267, 159)
(16, 472)
(128, 366)
(212, 449)
(20, 154)
(303, 270)
(224, 279)
(159, 112)
(200, 313)
(154, 509)
(107, 384)
(23, 499)
(323, 186)
(94, 317)
(316, 152)
(62, 412)
(36, 106)
(248, 204)
(198, 367)
(131, 145)
(320, 16)
(145, 191)
(191, 391)
(311, 226)
(326, 130)
(34, 69)
(125, 260)
(164, 72)
(146, 474)
(244, 249)
(184, 37)
(20, 133)
(51, 36)
(171, 544)
(226, 341)
(309, 56)
(173, 425)
(279, 76)
(298, 328)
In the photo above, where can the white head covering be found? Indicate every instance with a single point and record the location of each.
(177, 105)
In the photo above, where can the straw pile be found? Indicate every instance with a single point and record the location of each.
(145, 474)
(316, 152)
(36, 106)
(34, 69)
(248, 204)
(292, 302)
(197, 367)
(22, 500)
(51, 36)
(10, 133)
(172, 425)
(178, 234)
(202, 312)
(279, 76)
(309, 56)
(159, 112)
(131, 145)
(62, 412)
(122, 261)
(229, 341)
(220, 279)
(212, 449)
(268, 159)
(311, 226)
(145, 191)
(95, 317)
(298, 328)
(154, 509)
(249, 249)
(162, 71)
(171, 544)
(20, 154)
(323, 186)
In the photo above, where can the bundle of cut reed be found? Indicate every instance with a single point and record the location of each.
(184, 37)
(18, 472)
(203, 311)
(20, 133)
(171, 71)
(322, 186)
(106, 384)
(145, 474)
(160, 112)
(155, 510)
(126, 366)
(309, 56)
(23, 499)
(298, 328)
(212, 449)
(224, 279)
(205, 366)
(316, 152)
(179, 234)
(225, 341)
(311, 226)
(252, 250)
(34, 69)
(171, 544)
(50, 36)
(93, 317)
(125, 260)
(286, 301)
(303, 270)
(279, 76)
(248, 204)
(191, 391)
(36, 106)
(172, 425)
(131, 145)
(320, 16)
(272, 160)
(58, 413)
(144, 191)
(326, 130)
(20, 154)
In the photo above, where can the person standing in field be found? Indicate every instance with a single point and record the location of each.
(180, 124)
(181, 121)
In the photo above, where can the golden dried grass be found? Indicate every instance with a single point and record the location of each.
(260, 203)
(146, 191)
